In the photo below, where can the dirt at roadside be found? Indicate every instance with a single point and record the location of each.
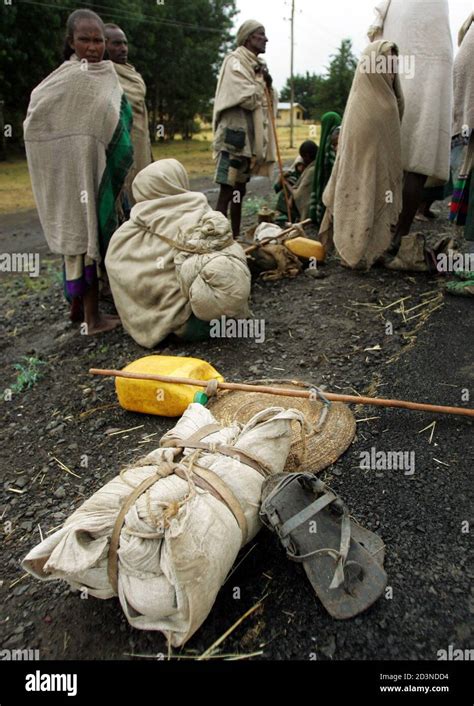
(331, 331)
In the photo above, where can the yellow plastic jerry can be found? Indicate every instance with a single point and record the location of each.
(305, 247)
(162, 398)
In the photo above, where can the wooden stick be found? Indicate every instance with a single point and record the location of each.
(278, 236)
(280, 164)
(307, 394)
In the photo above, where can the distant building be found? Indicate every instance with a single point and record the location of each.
(284, 114)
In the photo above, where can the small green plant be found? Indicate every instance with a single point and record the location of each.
(253, 204)
(55, 273)
(28, 373)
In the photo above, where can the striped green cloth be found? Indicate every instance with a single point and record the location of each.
(324, 163)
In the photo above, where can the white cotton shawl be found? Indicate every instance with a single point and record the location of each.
(421, 30)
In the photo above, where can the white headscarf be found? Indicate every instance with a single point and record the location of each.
(245, 30)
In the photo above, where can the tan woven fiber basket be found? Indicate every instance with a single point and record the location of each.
(323, 446)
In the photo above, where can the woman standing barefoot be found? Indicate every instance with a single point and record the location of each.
(77, 138)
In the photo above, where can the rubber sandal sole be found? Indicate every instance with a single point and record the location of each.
(366, 549)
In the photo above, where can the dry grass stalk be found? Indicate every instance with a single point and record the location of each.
(124, 431)
(88, 412)
(64, 467)
(14, 583)
(206, 653)
(243, 559)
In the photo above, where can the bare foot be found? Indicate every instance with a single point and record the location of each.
(105, 322)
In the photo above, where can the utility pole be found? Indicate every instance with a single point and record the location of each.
(292, 87)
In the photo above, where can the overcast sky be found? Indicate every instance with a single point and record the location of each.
(320, 26)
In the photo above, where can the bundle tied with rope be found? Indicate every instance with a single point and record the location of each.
(173, 258)
(277, 252)
(212, 269)
(164, 533)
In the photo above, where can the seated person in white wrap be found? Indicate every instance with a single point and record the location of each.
(174, 266)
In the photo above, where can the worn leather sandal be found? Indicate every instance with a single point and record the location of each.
(343, 561)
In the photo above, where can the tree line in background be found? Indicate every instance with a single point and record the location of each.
(176, 46)
(319, 94)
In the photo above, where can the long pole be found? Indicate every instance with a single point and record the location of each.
(288, 392)
(292, 84)
(280, 164)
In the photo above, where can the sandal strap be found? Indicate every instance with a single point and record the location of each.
(305, 514)
(284, 530)
(339, 556)
(302, 557)
(268, 513)
(338, 577)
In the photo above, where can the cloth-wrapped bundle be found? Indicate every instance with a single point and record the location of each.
(164, 534)
(212, 269)
(272, 258)
(267, 233)
(150, 299)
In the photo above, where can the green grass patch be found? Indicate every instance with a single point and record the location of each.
(28, 373)
(253, 204)
(195, 155)
(15, 186)
(22, 285)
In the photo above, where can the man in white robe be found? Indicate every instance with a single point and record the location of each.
(243, 144)
(421, 30)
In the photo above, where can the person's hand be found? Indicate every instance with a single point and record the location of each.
(267, 77)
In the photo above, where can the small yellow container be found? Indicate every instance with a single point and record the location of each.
(304, 247)
(162, 398)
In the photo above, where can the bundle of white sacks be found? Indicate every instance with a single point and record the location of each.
(216, 279)
(178, 542)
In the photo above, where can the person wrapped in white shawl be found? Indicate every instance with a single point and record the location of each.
(175, 261)
(422, 33)
(244, 143)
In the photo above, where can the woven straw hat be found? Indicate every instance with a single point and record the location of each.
(323, 447)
